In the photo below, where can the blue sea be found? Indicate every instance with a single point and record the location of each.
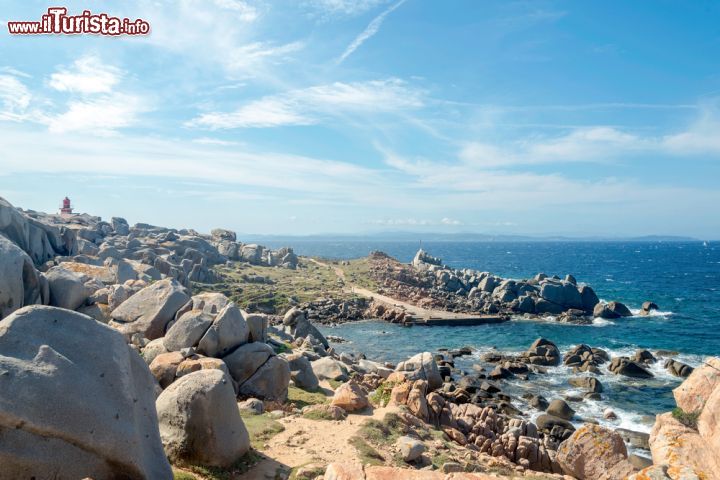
(683, 278)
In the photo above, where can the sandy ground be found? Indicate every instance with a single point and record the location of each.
(306, 441)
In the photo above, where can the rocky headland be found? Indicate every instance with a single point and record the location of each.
(143, 352)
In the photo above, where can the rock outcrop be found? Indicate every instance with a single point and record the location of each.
(594, 453)
(75, 401)
(20, 283)
(200, 421)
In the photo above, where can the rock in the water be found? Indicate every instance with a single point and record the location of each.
(187, 330)
(82, 403)
(591, 384)
(350, 397)
(594, 452)
(677, 368)
(559, 408)
(611, 310)
(149, 310)
(629, 368)
(200, 421)
(542, 352)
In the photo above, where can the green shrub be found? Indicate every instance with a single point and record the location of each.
(689, 419)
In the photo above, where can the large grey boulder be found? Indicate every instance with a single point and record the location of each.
(589, 298)
(149, 310)
(611, 310)
(187, 330)
(297, 325)
(270, 381)
(67, 288)
(301, 371)
(227, 331)
(327, 368)
(565, 294)
(75, 401)
(200, 421)
(421, 367)
(247, 359)
(20, 283)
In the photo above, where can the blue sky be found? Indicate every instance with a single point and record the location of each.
(318, 116)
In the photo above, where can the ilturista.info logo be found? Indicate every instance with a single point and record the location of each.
(57, 22)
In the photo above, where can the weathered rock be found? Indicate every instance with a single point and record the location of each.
(20, 283)
(559, 408)
(421, 367)
(270, 381)
(564, 294)
(67, 289)
(301, 371)
(542, 352)
(50, 353)
(682, 449)
(187, 330)
(350, 397)
(257, 324)
(677, 368)
(589, 298)
(411, 449)
(252, 405)
(200, 422)
(611, 310)
(247, 359)
(328, 368)
(228, 330)
(594, 452)
(693, 393)
(149, 310)
(591, 384)
(164, 367)
(624, 366)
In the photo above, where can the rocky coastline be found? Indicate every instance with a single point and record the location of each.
(152, 375)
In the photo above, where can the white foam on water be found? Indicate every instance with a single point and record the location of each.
(651, 313)
(602, 322)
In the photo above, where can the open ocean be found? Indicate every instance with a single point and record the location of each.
(683, 278)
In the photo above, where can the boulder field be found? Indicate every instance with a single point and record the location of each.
(111, 367)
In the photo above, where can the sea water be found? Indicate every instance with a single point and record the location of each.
(683, 278)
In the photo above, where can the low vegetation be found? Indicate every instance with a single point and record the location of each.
(689, 419)
(261, 428)
(303, 398)
(366, 453)
(237, 470)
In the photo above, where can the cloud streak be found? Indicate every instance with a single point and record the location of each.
(372, 28)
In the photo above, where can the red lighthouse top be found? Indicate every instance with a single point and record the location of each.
(66, 208)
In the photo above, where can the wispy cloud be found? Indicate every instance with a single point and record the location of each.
(369, 31)
(14, 98)
(308, 106)
(332, 8)
(87, 74)
(99, 116)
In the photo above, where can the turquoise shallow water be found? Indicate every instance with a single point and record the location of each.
(682, 278)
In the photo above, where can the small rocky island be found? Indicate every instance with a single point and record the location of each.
(143, 352)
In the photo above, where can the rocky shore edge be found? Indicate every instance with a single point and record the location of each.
(110, 367)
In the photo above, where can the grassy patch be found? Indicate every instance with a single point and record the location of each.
(334, 384)
(281, 288)
(309, 474)
(182, 475)
(261, 428)
(381, 396)
(366, 453)
(358, 272)
(217, 473)
(383, 432)
(689, 419)
(302, 398)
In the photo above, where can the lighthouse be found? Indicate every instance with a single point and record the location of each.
(66, 208)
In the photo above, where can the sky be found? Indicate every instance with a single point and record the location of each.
(340, 116)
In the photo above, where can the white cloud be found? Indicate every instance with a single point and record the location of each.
(99, 116)
(372, 28)
(87, 75)
(245, 11)
(450, 221)
(14, 98)
(702, 137)
(308, 105)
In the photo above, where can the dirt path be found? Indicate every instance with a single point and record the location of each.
(414, 310)
(306, 441)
